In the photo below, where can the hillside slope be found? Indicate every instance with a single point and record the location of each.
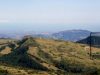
(52, 57)
(94, 40)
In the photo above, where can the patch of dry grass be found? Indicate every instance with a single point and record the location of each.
(49, 53)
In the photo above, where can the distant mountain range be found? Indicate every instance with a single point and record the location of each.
(72, 35)
(69, 35)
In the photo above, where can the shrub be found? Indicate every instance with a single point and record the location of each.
(3, 72)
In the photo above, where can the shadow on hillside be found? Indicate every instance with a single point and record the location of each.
(19, 57)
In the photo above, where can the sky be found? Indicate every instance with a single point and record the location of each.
(49, 15)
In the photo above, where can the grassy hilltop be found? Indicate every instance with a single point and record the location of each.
(37, 56)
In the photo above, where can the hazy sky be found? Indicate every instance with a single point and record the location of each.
(55, 15)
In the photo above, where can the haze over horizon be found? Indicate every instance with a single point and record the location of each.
(39, 28)
(49, 15)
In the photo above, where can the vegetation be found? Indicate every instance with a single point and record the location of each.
(3, 72)
(36, 56)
